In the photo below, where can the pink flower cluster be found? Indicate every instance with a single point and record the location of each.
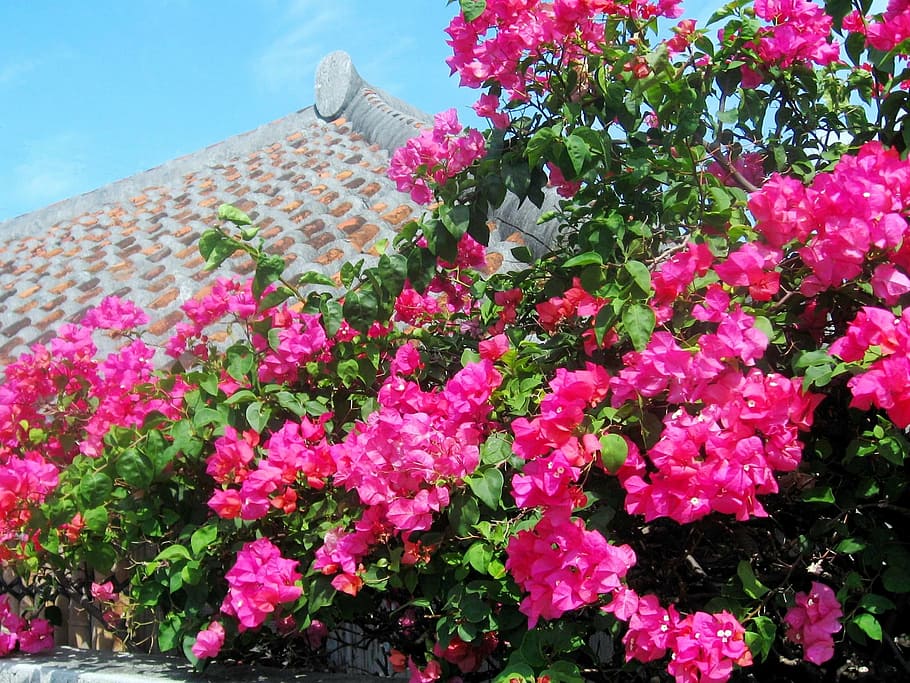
(342, 551)
(719, 455)
(37, 435)
(115, 314)
(813, 620)
(29, 635)
(259, 582)
(554, 443)
(448, 293)
(295, 454)
(575, 305)
(407, 454)
(434, 156)
(225, 297)
(753, 266)
(893, 27)
(209, 641)
(563, 566)
(403, 459)
(560, 564)
(704, 647)
(884, 383)
(857, 209)
(295, 339)
(676, 274)
(495, 46)
(798, 33)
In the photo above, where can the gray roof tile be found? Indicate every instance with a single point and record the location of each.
(317, 187)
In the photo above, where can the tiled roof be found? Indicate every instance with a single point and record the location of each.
(313, 181)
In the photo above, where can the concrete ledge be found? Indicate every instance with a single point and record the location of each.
(70, 665)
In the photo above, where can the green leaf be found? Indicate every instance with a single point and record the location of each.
(188, 642)
(240, 361)
(586, 259)
(291, 403)
(361, 308)
(172, 553)
(393, 271)
(849, 546)
(474, 609)
(613, 452)
(311, 277)
(876, 604)
(464, 514)
(495, 449)
(421, 268)
(169, 632)
(456, 219)
(206, 416)
(539, 145)
(639, 321)
(268, 269)
(135, 469)
(751, 585)
(96, 519)
(562, 672)
(523, 254)
(226, 212)
(488, 487)
(579, 152)
(348, 371)
(869, 625)
(202, 538)
(895, 580)
(471, 9)
(760, 637)
(820, 494)
(216, 247)
(94, 489)
(276, 297)
(640, 275)
(209, 384)
(517, 178)
(258, 414)
(479, 556)
(332, 316)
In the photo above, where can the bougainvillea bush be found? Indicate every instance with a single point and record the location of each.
(671, 444)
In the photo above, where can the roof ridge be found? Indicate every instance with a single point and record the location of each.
(208, 157)
(381, 118)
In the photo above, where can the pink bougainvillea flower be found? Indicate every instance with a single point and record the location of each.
(707, 646)
(889, 283)
(813, 620)
(115, 314)
(209, 641)
(431, 672)
(104, 591)
(316, 633)
(493, 348)
(562, 566)
(259, 582)
(37, 636)
(434, 156)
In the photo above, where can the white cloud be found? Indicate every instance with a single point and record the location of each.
(53, 168)
(13, 71)
(290, 59)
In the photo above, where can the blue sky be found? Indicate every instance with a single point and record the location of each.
(99, 90)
